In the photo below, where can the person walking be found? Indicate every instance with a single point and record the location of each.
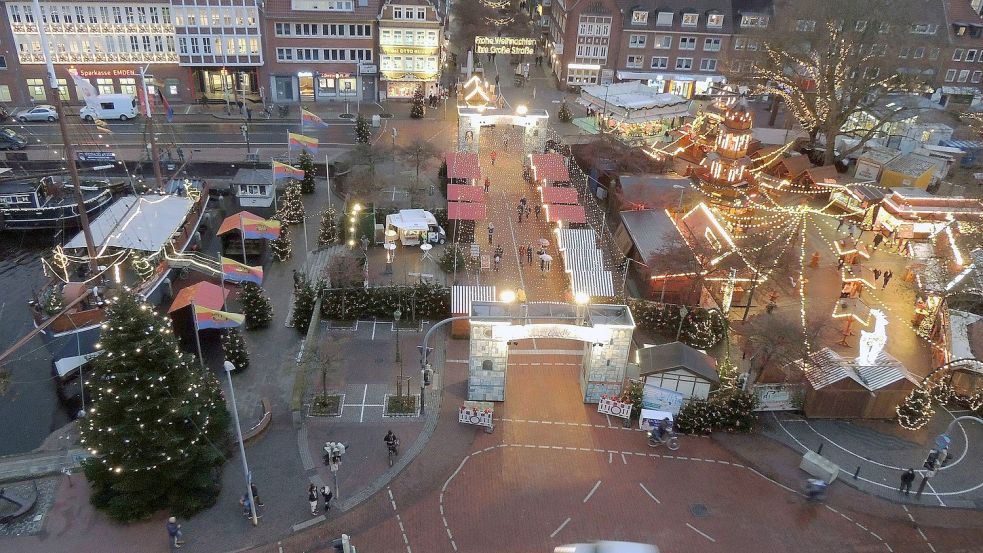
(907, 477)
(529, 254)
(498, 261)
(887, 277)
(505, 144)
(878, 238)
(852, 228)
(174, 533)
(539, 208)
(877, 275)
(494, 156)
(487, 185)
(520, 210)
(255, 491)
(491, 232)
(842, 220)
(312, 498)
(180, 154)
(326, 495)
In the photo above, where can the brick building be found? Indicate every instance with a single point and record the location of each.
(962, 69)
(410, 41)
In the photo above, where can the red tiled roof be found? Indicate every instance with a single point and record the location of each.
(558, 195)
(464, 193)
(464, 211)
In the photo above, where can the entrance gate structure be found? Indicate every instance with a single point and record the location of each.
(606, 331)
(471, 119)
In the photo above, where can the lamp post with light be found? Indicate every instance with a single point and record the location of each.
(229, 367)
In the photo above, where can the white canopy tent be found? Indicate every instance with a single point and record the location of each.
(143, 223)
(633, 102)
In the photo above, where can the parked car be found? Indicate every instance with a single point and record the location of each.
(38, 113)
(9, 140)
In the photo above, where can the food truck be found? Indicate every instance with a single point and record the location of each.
(414, 227)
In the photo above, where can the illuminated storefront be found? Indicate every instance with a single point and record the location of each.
(680, 84)
(405, 69)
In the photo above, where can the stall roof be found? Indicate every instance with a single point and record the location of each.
(676, 355)
(411, 219)
(558, 195)
(203, 294)
(568, 213)
(966, 335)
(237, 221)
(142, 223)
(464, 193)
(826, 367)
(795, 165)
(633, 95)
(596, 284)
(867, 193)
(912, 165)
(462, 165)
(823, 173)
(579, 249)
(551, 167)
(648, 229)
(466, 211)
(253, 176)
(462, 296)
(878, 156)
(910, 202)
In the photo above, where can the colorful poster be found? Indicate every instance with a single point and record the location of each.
(661, 399)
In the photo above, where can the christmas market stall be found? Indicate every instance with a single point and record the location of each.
(678, 367)
(548, 169)
(462, 168)
(859, 202)
(640, 237)
(584, 263)
(842, 388)
(912, 213)
(244, 234)
(254, 188)
(632, 112)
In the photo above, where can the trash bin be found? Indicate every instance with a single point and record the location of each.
(376, 121)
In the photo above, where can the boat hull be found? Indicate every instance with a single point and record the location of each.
(60, 216)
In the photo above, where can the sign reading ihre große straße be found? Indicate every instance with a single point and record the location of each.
(504, 45)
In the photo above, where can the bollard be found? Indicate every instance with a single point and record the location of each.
(820, 450)
(856, 473)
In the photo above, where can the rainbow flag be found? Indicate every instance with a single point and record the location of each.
(308, 119)
(206, 318)
(299, 141)
(233, 271)
(260, 228)
(283, 171)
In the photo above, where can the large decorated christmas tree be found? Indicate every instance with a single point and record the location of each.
(156, 423)
(419, 108)
(291, 209)
(281, 247)
(235, 349)
(363, 133)
(306, 164)
(256, 306)
(328, 233)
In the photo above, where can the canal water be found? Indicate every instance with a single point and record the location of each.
(29, 405)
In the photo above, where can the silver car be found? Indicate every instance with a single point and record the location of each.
(43, 112)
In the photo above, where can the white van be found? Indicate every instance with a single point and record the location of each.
(110, 106)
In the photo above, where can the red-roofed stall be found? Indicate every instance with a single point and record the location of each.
(549, 167)
(462, 167)
(464, 193)
(558, 195)
(203, 294)
(566, 213)
(464, 211)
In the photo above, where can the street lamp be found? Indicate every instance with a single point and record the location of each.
(682, 317)
(229, 367)
(522, 110)
(397, 315)
(507, 296)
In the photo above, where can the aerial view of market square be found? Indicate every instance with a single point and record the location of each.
(477, 276)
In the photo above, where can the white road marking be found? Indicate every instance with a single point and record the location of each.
(373, 331)
(557, 531)
(365, 394)
(648, 493)
(693, 528)
(623, 459)
(592, 490)
(610, 457)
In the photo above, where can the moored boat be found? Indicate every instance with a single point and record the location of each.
(45, 204)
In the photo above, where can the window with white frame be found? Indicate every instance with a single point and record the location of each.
(950, 75)
(635, 62)
(963, 76)
(924, 28)
(957, 54)
(977, 75)
(760, 21)
(884, 28)
(919, 53)
(935, 53)
(904, 52)
(664, 19)
(660, 63)
(639, 17)
(662, 42)
(687, 43)
(740, 43)
(970, 55)
(690, 19)
(715, 20)
(594, 26)
(637, 41)
(684, 63)
(711, 45)
(708, 64)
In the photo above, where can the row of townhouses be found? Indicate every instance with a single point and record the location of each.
(278, 51)
(682, 46)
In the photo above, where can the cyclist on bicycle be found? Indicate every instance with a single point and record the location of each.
(662, 430)
(391, 441)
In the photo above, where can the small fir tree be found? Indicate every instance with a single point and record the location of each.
(363, 133)
(564, 113)
(235, 349)
(281, 247)
(328, 233)
(419, 104)
(306, 164)
(291, 210)
(256, 306)
(156, 425)
(305, 295)
(916, 409)
(452, 258)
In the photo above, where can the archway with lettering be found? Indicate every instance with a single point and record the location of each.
(471, 119)
(604, 330)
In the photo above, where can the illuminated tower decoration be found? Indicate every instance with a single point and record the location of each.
(726, 164)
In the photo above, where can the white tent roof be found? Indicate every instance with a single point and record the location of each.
(959, 323)
(411, 219)
(143, 223)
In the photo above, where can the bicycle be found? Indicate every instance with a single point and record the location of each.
(393, 447)
(670, 440)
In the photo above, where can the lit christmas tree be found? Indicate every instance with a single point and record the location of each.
(305, 295)
(256, 306)
(291, 209)
(235, 349)
(328, 233)
(419, 107)
(916, 409)
(363, 133)
(564, 113)
(306, 164)
(281, 247)
(156, 423)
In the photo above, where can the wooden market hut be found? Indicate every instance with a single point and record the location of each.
(838, 388)
(676, 366)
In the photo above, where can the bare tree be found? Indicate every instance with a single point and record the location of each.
(832, 61)
(676, 257)
(773, 341)
(371, 155)
(363, 183)
(344, 270)
(419, 152)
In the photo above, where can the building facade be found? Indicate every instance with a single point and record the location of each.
(321, 50)
(411, 37)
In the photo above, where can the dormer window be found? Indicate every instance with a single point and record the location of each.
(691, 19)
(715, 20)
(664, 19)
(639, 17)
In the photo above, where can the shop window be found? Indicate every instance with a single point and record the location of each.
(128, 86)
(327, 85)
(347, 86)
(105, 86)
(35, 87)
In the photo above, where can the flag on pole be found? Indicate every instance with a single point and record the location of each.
(85, 86)
(283, 171)
(308, 119)
(167, 105)
(206, 318)
(299, 141)
(253, 229)
(233, 271)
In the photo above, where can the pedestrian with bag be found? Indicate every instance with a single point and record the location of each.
(491, 232)
(174, 533)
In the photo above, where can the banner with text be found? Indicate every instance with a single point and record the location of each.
(504, 45)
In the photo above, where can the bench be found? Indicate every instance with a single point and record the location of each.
(257, 429)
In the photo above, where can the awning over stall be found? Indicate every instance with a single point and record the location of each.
(464, 211)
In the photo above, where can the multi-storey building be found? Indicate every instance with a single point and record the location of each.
(102, 42)
(579, 41)
(220, 43)
(963, 63)
(410, 40)
(321, 50)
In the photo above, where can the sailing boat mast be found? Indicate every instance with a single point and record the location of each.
(73, 171)
(155, 156)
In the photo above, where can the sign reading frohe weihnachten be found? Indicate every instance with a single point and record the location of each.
(504, 45)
